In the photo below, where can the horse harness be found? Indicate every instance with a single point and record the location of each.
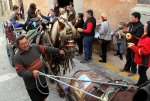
(69, 41)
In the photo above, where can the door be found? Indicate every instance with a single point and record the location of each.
(63, 3)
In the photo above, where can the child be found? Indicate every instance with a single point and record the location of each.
(13, 18)
(119, 37)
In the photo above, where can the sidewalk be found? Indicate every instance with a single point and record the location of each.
(115, 63)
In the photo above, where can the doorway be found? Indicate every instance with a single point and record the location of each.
(63, 3)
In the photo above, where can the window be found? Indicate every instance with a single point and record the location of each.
(143, 2)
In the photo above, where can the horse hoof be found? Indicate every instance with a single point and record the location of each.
(52, 81)
(62, 94)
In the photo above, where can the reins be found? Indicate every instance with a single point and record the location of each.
(93, 81)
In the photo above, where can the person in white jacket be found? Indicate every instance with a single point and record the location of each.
(105, 36)
(63, 14)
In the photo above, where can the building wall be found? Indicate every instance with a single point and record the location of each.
(78, 6)
(42, 5)
(117, 10)
(3, 8)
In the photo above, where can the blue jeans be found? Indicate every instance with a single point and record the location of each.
(120, 47)
(27, 22)
(87, 44)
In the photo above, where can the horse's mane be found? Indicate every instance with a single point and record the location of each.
(57, 27)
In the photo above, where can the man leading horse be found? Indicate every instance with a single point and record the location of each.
(28, 63)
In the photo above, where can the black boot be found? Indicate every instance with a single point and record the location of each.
(117, 53)
(121, 57)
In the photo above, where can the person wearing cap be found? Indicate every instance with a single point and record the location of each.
(105, 36)
(79, 24)
(88, 32)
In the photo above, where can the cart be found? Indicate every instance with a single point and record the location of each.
(11, 34)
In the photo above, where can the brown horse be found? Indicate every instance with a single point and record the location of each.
(62, 36)
(104, 91)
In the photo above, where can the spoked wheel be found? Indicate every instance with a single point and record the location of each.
(10, 54)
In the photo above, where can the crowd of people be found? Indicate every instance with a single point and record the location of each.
(135, 34)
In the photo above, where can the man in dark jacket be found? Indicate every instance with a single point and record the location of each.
(51, 18)
(136, 28)
(89, 32)
(79, 24)
(28, 63)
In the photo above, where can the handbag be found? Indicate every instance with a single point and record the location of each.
(99, 39)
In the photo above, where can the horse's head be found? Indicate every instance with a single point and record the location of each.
(63, 36)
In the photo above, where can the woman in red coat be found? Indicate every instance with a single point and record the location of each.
(142, 53)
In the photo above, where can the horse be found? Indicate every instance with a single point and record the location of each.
(105, 92)
(62, 36)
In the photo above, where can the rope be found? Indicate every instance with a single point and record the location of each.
(41, 84)
(70, 86)
(39, 89)
(94, 81)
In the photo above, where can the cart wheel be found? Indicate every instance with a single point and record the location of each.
(10, 54)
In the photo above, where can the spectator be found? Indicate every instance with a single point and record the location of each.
(88, 32)
(22, 11)
(51, 18)
(119, 38)
(65, 8)
(56, 9)
(28, 63)
(19, 12)
(105, 36)
(136, 29)
(49, 14)
(31, 13)
(142, 53)
(68, 9)
(14, 17)
(72, 12)
(79, 24)
(63, 14)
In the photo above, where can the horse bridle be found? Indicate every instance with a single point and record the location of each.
(69, 31)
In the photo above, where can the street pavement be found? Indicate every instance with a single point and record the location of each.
(13, 88)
